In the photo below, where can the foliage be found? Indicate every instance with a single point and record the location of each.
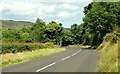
(37, 32)
(20, 47)
(9, 35)
(22, 35)
(100, 19)
(67, 38)
(53, 32)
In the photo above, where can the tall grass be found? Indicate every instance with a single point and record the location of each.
(19, 57)
(14, 53)
(108, 52)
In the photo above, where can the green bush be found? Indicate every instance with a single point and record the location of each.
(20, 47)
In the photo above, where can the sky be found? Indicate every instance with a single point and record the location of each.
(67, 12)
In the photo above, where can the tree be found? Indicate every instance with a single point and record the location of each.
(24, 34)
(10, 35)
(67, 38)
(38, 31)
(100, 18)
(53, 32)
(76, 31)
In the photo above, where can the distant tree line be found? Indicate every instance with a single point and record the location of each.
(100, 18)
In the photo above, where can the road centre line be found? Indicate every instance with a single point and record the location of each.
(46, 67)
(66, 57)
(57, 61)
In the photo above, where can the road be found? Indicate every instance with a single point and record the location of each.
(73, 59)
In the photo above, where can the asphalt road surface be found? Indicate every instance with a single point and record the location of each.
(73, 59)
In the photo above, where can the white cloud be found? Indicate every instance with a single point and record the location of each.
(50, 9)
(64, 11)
(64, 14)
(48, 0)
(33, 9)
(30, 10)
(61, 0)
(42, 10)
(67, 15)
(70, 6)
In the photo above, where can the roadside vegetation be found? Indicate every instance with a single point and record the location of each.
(21, 47)
(16, 58)
(108, 52)
(99, 24)
(102, 26)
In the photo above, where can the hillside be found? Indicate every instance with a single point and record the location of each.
(68, 29)
(11, 24)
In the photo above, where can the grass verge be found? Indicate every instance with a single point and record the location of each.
(108, 52)
(12, 59)
(81, 46)
(85, 46)
(108, 57)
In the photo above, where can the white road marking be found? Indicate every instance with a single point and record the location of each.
(66, 57)
(73, 54)
(58, 61)
(76, 53)
(79, 51)
(46, 67)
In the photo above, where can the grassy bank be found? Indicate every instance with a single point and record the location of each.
(11, 59)
(84, 46)
(108, 52)
(81, 46)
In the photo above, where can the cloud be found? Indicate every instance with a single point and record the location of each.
(66, 15)
(42, 10)
(70, 6)
(37, 1)
(48, 10)
(61, 0)
(30, 10)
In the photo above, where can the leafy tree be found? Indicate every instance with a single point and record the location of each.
(67, 38)
(53, 32)
(38, 31)
(24, 34)
(9, 35)
(100, 18)
(77, 33)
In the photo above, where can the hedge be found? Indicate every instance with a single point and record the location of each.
(20, 47)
